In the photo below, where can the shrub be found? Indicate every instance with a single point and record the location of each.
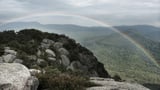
(54, 79)
(62, 82)
(1, 50)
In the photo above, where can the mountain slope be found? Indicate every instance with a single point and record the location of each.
(121, 57)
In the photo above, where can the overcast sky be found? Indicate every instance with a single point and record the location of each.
(114, 12)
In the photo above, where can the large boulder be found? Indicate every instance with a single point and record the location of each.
(33, 72)
(110, 84)
(32, 57)
(95, 68)
(76, 65)
(39, 53)
(8, 58)
(13, 52)
(18, 61)
(58, 45)
(89, 60)
(40, 61)
(46, 43)
(65, 60)
(1, 60)
(51, 59)
(50, 53)
(32, 83)
(63, 51)
(16, 77)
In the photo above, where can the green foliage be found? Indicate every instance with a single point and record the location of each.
(7, 36)
(29, 34)
(27, 62)
(1, 50)
(54, 79)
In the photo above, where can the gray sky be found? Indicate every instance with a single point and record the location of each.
(113, 12)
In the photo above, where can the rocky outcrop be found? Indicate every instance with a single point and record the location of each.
(37, 49)
(86, 63)
(16, 77)
(55, 51)
(110, 84)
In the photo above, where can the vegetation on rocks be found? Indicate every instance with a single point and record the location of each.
(64, 64)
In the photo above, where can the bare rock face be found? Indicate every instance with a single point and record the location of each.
(16, 77)
(110, 84)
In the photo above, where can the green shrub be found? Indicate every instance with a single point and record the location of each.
(62, 82)
(53, 79)
(1, 50)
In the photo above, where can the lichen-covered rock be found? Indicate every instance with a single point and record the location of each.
(18, 61)
(32, 57)
(50, 53)
(76, 65)
(33, 72)
(63, 51)
(40, 61)
(15, 77)
(46, 43)
(95, 68)
(1, 60)
(65, 60)
(110, 84)
(8, 58)
(58, 45)
(39, 53)
(45, 46)
(32, 83)
(51, 59)
(10, 52)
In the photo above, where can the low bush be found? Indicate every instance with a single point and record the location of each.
(53, 79)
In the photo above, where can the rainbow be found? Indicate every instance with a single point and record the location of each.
(92, 20)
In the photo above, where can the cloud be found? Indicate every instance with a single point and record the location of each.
(85, 3)
(117, 12)
(11, 6)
